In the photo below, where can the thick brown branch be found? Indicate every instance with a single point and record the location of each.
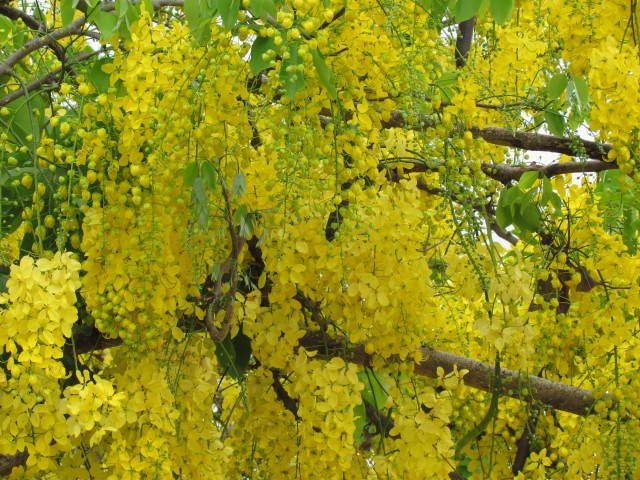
(574, 147)
(543, 143)
(513, 384)
(506, 173)
(555, 394)
(9, 462)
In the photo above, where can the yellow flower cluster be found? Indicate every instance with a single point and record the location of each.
(136, 235)
(327, 394)
(35, 322)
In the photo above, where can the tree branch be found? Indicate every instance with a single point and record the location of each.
(289, 403)
(34, 44)
(505, 173)
(9, 462)
(31, 22)
(558, 395)
(555, 394)
(50, 78)
(573, 147)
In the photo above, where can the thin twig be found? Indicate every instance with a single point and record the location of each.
(34, 44)
(51, 78)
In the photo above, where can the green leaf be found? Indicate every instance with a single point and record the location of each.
(547, 191)
(199, 20)
(582, 90)
(484, 4)
(246, 227)
(503, 216)
(557, 85)
(121, 10)
(438, 9)
(465, 9)
(529, 219)
(23, 121)
(555, 123)
(264, 8)
(556, 201)
(260, 46)
(527, 179)
(226, 354)
(243, 219)
(292, 79)
(630, 229)
(229, 12)
(148, 6)
(510, 198)
(6, 27)
(448, 79)
(424, 4)
(608, 181)
(239, 185)
(360, 415)
(107, 24)
(538, 120)
(67, 11)
(97, 77)
(200, 203)
(501, 10)
(240, 212)
(373, 392)
(190, 174)
(325, 74)
(209, 175)
(527, 199)
(445, 82)
(126, 14)
(241, 345)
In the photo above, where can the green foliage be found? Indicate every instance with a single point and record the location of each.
(325, 74)
(557, 85)
(575, 103)
(264, 9)
(446, 83)
(619, 198)
(239, 185)
(520, 205)
(501, 10)
(199, 14)
(260, 47)
(229, 10)
(98, 78)
(291, 77)
(26, 117)
(67, 10)
(465, 9)
(234, 355)
(201, 177)
(555, 122)
(245, 221)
